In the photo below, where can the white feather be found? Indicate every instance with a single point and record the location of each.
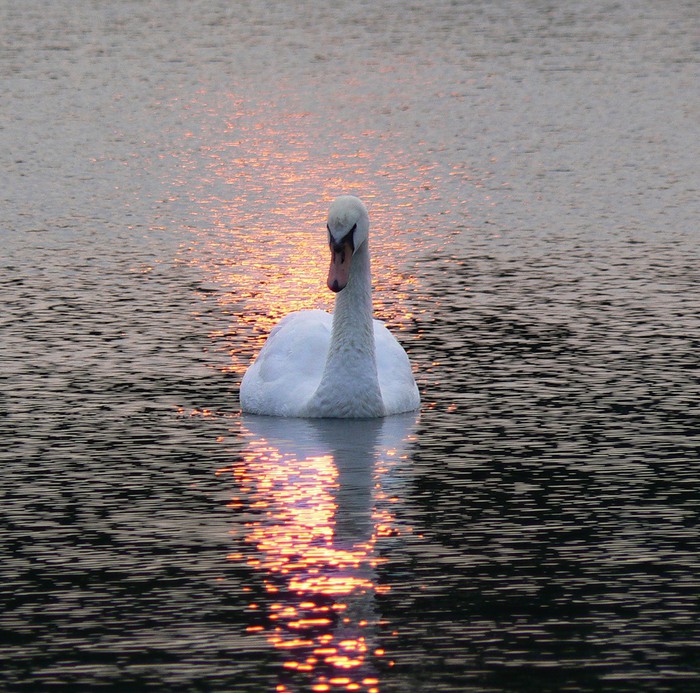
(344, 365)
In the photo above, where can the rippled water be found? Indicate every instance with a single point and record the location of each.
(531, 174)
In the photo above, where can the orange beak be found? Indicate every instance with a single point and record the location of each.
(339, 272)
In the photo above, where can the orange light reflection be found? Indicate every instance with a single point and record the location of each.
(262, 193)
(318, 507)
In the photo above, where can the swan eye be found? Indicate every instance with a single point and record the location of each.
(347, 238)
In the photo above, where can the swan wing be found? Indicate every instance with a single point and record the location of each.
(289, 367)
(396, 381)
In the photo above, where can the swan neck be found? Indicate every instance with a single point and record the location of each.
(353, 305)
(351, 366)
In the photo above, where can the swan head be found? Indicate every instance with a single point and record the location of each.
(348, 228)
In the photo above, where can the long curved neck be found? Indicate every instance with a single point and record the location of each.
(353, 335)
(350, 374)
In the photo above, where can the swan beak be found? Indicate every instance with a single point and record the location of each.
(339, 272)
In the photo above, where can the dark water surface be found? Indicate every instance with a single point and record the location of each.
(531, 174)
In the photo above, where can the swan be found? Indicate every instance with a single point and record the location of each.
(344, 365)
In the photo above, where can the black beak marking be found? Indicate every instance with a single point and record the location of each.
(339, 246)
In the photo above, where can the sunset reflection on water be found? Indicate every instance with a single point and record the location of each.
(316, 497)
(312, 502)
(263, 194)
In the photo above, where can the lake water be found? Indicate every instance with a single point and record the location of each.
(531, 171)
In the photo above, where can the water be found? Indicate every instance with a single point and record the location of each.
(531, 174)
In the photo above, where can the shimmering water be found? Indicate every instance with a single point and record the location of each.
(531, 174)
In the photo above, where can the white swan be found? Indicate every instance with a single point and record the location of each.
(342, 366)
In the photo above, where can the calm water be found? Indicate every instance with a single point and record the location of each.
(531, 174)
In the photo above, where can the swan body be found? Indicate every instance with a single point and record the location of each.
(345, 365)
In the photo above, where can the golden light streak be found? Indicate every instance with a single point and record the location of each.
(260, 244)
(263, 194)
(321, 581)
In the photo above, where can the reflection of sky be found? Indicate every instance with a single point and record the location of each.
(262, 182)
(315, 497)
(313, 502)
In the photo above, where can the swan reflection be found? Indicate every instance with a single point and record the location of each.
(317, 492)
